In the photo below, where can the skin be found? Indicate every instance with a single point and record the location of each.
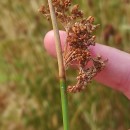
(116, 74)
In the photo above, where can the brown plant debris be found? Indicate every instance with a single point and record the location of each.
(111, 32)
(79, 38)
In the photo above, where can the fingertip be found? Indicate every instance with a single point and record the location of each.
(49, 42)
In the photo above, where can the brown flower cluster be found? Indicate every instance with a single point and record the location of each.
(63, 13)
(79, 38)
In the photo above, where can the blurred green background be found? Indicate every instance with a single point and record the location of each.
(29, 89)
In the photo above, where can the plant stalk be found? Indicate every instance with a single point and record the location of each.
(64, 100)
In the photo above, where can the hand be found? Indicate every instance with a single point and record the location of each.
(116, 74)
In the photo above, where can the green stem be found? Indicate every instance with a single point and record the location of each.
(62, 77)
(64, 102)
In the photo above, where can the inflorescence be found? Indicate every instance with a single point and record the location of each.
(79, 38)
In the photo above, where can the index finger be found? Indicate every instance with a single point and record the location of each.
(116, 74)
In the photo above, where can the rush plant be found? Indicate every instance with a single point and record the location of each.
(80, 37)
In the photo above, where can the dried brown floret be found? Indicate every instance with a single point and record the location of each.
(76, 13)
(45, 10)
(79, 38)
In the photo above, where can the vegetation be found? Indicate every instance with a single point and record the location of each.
(29, 90)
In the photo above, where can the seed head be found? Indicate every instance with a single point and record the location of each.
(79, 38)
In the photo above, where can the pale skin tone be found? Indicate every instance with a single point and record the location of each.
(116, 74)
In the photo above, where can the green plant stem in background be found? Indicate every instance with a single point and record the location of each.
(61, 68)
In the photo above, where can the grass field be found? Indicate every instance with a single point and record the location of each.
(29, 89)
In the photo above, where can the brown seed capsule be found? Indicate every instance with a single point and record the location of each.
(90, 19)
